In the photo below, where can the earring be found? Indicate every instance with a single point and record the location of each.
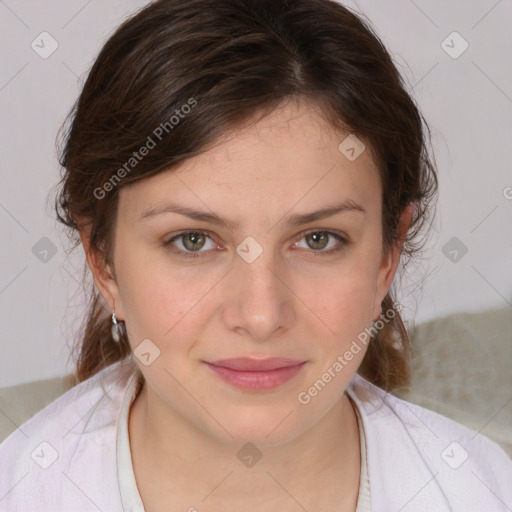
(118, 329)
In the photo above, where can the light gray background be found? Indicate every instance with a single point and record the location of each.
(467, 101)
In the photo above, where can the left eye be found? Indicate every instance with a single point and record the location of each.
(319, 240)
(193, 241)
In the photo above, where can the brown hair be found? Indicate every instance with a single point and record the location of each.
(229, 61)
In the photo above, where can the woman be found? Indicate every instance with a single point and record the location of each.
(245, 179)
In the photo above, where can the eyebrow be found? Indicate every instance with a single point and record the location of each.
(293, 220)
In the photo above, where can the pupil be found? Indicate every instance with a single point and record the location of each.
(318, 238)
(194, 237)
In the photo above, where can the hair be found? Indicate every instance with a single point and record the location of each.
(183, 74)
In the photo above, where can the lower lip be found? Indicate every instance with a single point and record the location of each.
(257, 381)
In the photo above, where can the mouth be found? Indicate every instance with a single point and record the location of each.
(256, 374)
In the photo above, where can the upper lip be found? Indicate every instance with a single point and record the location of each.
(255, 365)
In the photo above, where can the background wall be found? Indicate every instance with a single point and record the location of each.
(465, 94)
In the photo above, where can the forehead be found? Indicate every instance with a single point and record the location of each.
(290, 157)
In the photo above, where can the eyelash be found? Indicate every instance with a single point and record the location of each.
(197, 254)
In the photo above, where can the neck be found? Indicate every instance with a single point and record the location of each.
(166, 448)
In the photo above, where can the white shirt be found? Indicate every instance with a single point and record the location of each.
(65, 458)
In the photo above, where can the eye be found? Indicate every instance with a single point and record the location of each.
(319, 240)
(191, 242)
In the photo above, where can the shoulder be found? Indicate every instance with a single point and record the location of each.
(410, 447)
(68, 448)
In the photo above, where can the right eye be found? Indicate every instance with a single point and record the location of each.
(191, 242)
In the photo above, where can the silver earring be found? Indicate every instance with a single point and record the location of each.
(118, 329)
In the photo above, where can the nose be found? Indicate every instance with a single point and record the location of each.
(260, 302)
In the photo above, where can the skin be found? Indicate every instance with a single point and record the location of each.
(187, 425)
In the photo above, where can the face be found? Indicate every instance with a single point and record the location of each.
(265, 283)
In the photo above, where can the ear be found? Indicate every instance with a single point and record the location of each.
(390, 261)
(103, 275)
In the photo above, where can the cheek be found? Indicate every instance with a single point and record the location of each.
(160, 301)
(344, 302)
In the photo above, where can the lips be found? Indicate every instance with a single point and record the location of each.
(247, 364)
(256, 374)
